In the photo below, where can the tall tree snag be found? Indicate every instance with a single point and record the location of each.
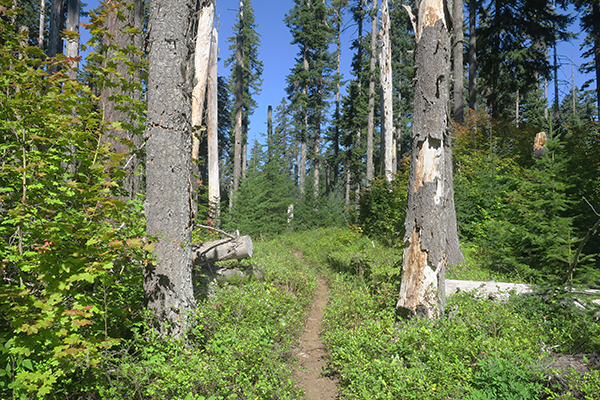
(371, 117)
(387, 112)
(472, 54)
(124, 41)
(168, 281)
(72, 46)
(431, 239)
(214, 192)
(239, 103)
(201, 65)
(458, 49)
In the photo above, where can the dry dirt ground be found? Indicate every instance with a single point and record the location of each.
(311, 353)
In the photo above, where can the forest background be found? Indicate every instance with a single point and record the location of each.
(72, 182)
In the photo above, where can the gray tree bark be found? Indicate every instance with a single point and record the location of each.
(121, 37)
(431, 239)
(472, 54)
(57, 20)
(370, 120)
(458, 49)
(387, 112)
(168, 281)
(239, 103)
(72, 47)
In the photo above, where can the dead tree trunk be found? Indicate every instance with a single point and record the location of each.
(72, 47)
(239, 104)
(42, 24)
(57, 21)
(235, 248)
(472, 54)
(387, 112)
(201, 66)
(371, 118)
(458, 50)
(214, 192)
(431, 239)
(123, 45)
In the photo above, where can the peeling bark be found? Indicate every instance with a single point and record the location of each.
(431, 239)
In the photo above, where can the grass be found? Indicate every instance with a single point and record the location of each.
(241, 345)
(480, 350)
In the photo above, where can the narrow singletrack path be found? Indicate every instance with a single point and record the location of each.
(311, 353)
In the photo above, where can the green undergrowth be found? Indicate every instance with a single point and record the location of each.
(240, 347)
(481, 349)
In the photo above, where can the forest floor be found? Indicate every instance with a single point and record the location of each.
(312, 354)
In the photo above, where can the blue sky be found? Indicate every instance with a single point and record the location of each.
(278, 55)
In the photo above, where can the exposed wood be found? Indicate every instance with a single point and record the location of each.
(431, 239)
(539, 145)
(42, 24)
(387, 112)
(237, 248)
(201, 66)
(214, 190)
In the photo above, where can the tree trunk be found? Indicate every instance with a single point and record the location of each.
(596, 19)
(201, 66)
(370, 120)
(57, 21)
(214, 191)
(472, 54)
(239, 104)
(304, 133)
(387, 112)
(431, 239)
(316, 159)
(459, 100)
(42, 24)
(72, 47)
(168, 281)
(237, 248)
(120, 84)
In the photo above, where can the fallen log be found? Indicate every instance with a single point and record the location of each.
(236, 248)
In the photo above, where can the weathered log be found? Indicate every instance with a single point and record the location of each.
(236, 248)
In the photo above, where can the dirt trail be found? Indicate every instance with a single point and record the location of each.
(311, 353)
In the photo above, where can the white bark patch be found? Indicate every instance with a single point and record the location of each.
(429, 168)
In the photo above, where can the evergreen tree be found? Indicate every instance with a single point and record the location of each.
(513, 40)
(310, 81)
(403, 46)
(590, 23)
(265, 195)
(247, 80)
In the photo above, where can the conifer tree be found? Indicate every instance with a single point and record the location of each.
(513, 39)
(246, 80)
(403, 46)
(590, 22)
(310, 83)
